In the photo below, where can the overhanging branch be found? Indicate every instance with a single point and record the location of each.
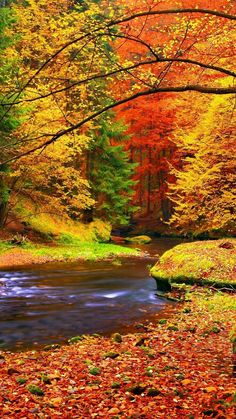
(177, 89)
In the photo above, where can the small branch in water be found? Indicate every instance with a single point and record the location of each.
(223, 289)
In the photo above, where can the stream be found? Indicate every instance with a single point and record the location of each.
(45, 304)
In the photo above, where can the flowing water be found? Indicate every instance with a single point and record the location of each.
(44, 304)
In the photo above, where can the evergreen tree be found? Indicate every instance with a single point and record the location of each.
(110, 172)
(8, 117)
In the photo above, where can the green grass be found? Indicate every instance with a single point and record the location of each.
(88, 251)
(203, 263)
(36, 253)
(218, 303)
(4, 246)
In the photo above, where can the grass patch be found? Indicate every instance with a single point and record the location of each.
(4, 246)
(88, 251)
(61, 228)
(11, 256)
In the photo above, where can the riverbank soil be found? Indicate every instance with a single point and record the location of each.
(180, 367)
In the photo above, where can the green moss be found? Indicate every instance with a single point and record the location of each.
(87, 251)
(172, 327)
(45, 379)
(94, 371)
(75, 339)
(35, 390)
(152, 392)
(4, 246)
(21, 380)
(203, 263)
(115, 385)
(117, 337)
(111, 355)
(162, 321)
(139, 239)
(232, 335)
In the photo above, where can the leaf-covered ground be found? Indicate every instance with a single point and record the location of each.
(179, 367)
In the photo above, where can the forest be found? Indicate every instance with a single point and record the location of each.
(117, 152)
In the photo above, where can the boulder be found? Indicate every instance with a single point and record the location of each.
(201, 263)
(138, 239)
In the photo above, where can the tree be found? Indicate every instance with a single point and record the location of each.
(54, 177)
(109, 172)
(204, 195)
(193, 41)
(150, 147)
(9, 118)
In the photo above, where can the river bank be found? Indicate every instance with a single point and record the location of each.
(173, 367)
(12, 256)
(211, 263)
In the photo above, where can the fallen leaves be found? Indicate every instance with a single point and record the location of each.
(174, 372)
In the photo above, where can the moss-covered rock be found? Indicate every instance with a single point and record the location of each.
(116, 337)
(35, 390)
(202, 263)
(139, 239)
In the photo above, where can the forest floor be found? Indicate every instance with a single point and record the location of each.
(179, 367)
(11, 256)
(176, 366)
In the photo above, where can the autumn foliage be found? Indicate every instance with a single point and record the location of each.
(66, 64)
(115, 113)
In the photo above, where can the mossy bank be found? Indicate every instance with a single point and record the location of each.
(211, 263)
(11, 256)
(45, 238)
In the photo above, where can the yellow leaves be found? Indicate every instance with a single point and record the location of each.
(186, 382)
(210, 389)
(56, 401)
(204, 194)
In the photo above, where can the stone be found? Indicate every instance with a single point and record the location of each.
(138, 239)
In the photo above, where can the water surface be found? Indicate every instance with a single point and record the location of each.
(50, 303)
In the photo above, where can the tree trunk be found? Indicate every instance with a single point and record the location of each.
(149, 179)
(3, 213)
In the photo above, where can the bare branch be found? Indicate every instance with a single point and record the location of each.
(172, 11)
(123, 70)
(110, 24)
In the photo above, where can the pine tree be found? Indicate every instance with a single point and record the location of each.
(110, 172)
(9, 119)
